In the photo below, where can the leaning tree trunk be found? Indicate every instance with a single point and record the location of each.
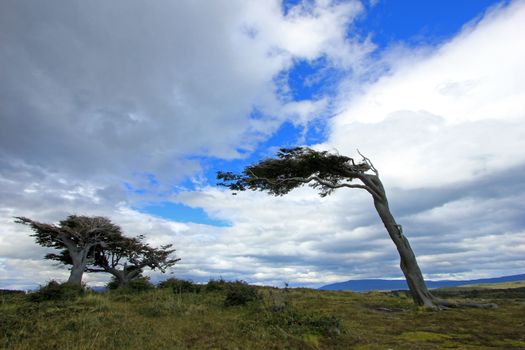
(409, 266)
(408, 263)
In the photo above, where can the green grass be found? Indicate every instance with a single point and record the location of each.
(279, 319)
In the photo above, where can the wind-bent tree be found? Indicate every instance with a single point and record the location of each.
(327, 172)
(126, 259)
(75, 237)
(123, 257)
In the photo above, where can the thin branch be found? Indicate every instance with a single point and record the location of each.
(369, 162)
(95, 270)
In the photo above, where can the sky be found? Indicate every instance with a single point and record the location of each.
(127, 109)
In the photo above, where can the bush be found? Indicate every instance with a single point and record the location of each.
(294, 320)
(180, 286)
(240, 293)
(113, 284)
(56, 291)
(139, 284)
(216, 285)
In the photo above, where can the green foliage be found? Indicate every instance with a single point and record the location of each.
(282, 313)
(180, 286)
(113, 284)
(77, 229)
(300, 321)
(138, 284)
(216, 285)
(240, 293)
(56, 291)
(292, 168)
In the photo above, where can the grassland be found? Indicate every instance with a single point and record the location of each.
(280, 319)
(504, 285)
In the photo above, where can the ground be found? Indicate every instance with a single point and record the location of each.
(280, 319)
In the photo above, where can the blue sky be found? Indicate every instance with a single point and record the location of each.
(128, 111)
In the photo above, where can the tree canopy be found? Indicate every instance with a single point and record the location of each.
(95, 244)
(126, 259)
(75, 237)
(294, 167)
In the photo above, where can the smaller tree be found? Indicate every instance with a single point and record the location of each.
(75, 237)
(126, 259)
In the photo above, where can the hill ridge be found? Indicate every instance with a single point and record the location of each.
(364, 285)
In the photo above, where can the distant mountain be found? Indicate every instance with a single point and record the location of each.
(384, 284)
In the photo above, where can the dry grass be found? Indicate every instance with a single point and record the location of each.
(282, 319)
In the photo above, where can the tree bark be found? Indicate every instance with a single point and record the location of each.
(77, 269)
(409, 266)
(408, 262)
(123, 277)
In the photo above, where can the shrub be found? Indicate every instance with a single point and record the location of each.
(139, 284)
(216, 285)
(113, 284)
(240, 293)
(180, 286)
(294, 320)
(56, 291)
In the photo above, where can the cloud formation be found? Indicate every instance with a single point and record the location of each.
(101, 93)
(97, 94)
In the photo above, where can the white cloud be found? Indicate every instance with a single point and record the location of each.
(98, 93)
(444, 127)
(91, 83)
(448, 115)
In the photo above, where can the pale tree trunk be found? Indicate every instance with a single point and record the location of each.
(408, 263)
(123, 277)
(77, 269)
(120, 276)
(409, 266)
(131, 275)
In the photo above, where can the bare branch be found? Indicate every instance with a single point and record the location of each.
(369, 162)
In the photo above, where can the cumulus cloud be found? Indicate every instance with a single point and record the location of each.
(101, 93)
(87, 84)
(448, 115)
(96, 94)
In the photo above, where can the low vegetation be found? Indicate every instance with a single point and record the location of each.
(184, 315)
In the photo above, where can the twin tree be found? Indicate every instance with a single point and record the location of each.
(95, 244)
(327, 172)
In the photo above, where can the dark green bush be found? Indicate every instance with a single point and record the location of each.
(293, 320)
(240, 293)
(216, 285)
(180, 286)
(113, 284)
(56, 291)
(139, 284)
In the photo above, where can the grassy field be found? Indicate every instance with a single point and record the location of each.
(279, 319)
(504, 285)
